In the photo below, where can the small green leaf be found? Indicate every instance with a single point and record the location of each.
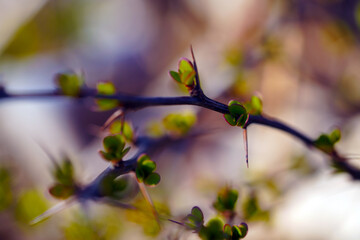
(106, 88)
(179, 124)
(175, 75)
(226, 200)
(230, 119)
(139, 174)
(243, 227)
(126, 150)
(335, 136)
(252, 209)
(107, 156)
(63, 173)
(6, 194)
(236, 232)
(185, 65)
(62, 191)
(196, 211)
(148, 166)
(188, 78)
(69, 83)
(113, 186)
(145, 171)
(257, 104)
(142, 158)
(195, 220)
(326, 142)
(228, 231)
(238, 115)
(111, 144)
(236, 109)
(213, 230)
(186, 73)
(117, 128)
(152, 180)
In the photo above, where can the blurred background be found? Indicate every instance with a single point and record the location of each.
(301, 56)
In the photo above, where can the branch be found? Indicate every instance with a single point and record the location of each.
(200, 99)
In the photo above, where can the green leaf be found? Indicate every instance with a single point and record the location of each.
(142, 158)
(254, 106)
(107, 156)
(226, 200)
(113, 186)
(111, 144)
(175, 75)
(213, 230)
(152, 180)
(144, 167)
(253, 211)
(62, 191)
(6, 194)
(238, 115)
(230, 119)
(148, 166)
(257, 104)
(188, 78)
(196, 212)
(126, 150)
(228, 232)
(236, 232)
(185, 65)
(335, 136)
(117, 128)
(139, 174)
(186, 73)
(106, 88)
(195, 220)
(30, 204)
(236, 108)
(243, 227)
(64, 172)
(69, 83)
(326, 142)
(179, 124)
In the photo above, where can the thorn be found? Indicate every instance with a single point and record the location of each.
(246, 147)
(197, 77)
(147, 197)
(52, 211)
(112, 118)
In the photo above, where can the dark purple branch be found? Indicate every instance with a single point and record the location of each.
(198, 99)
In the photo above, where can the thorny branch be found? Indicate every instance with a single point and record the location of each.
(130, 102)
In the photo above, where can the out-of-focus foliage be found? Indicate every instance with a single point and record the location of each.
(226, 200)
(124, 128)
(6, 195)
(145, 218)
(179, 124)
(326, 142)
(57, 24)
(106, 88)
(65, 185)
(107, 226)
(114, 147)
(145, 171)
(30, 204)
(70, 83)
